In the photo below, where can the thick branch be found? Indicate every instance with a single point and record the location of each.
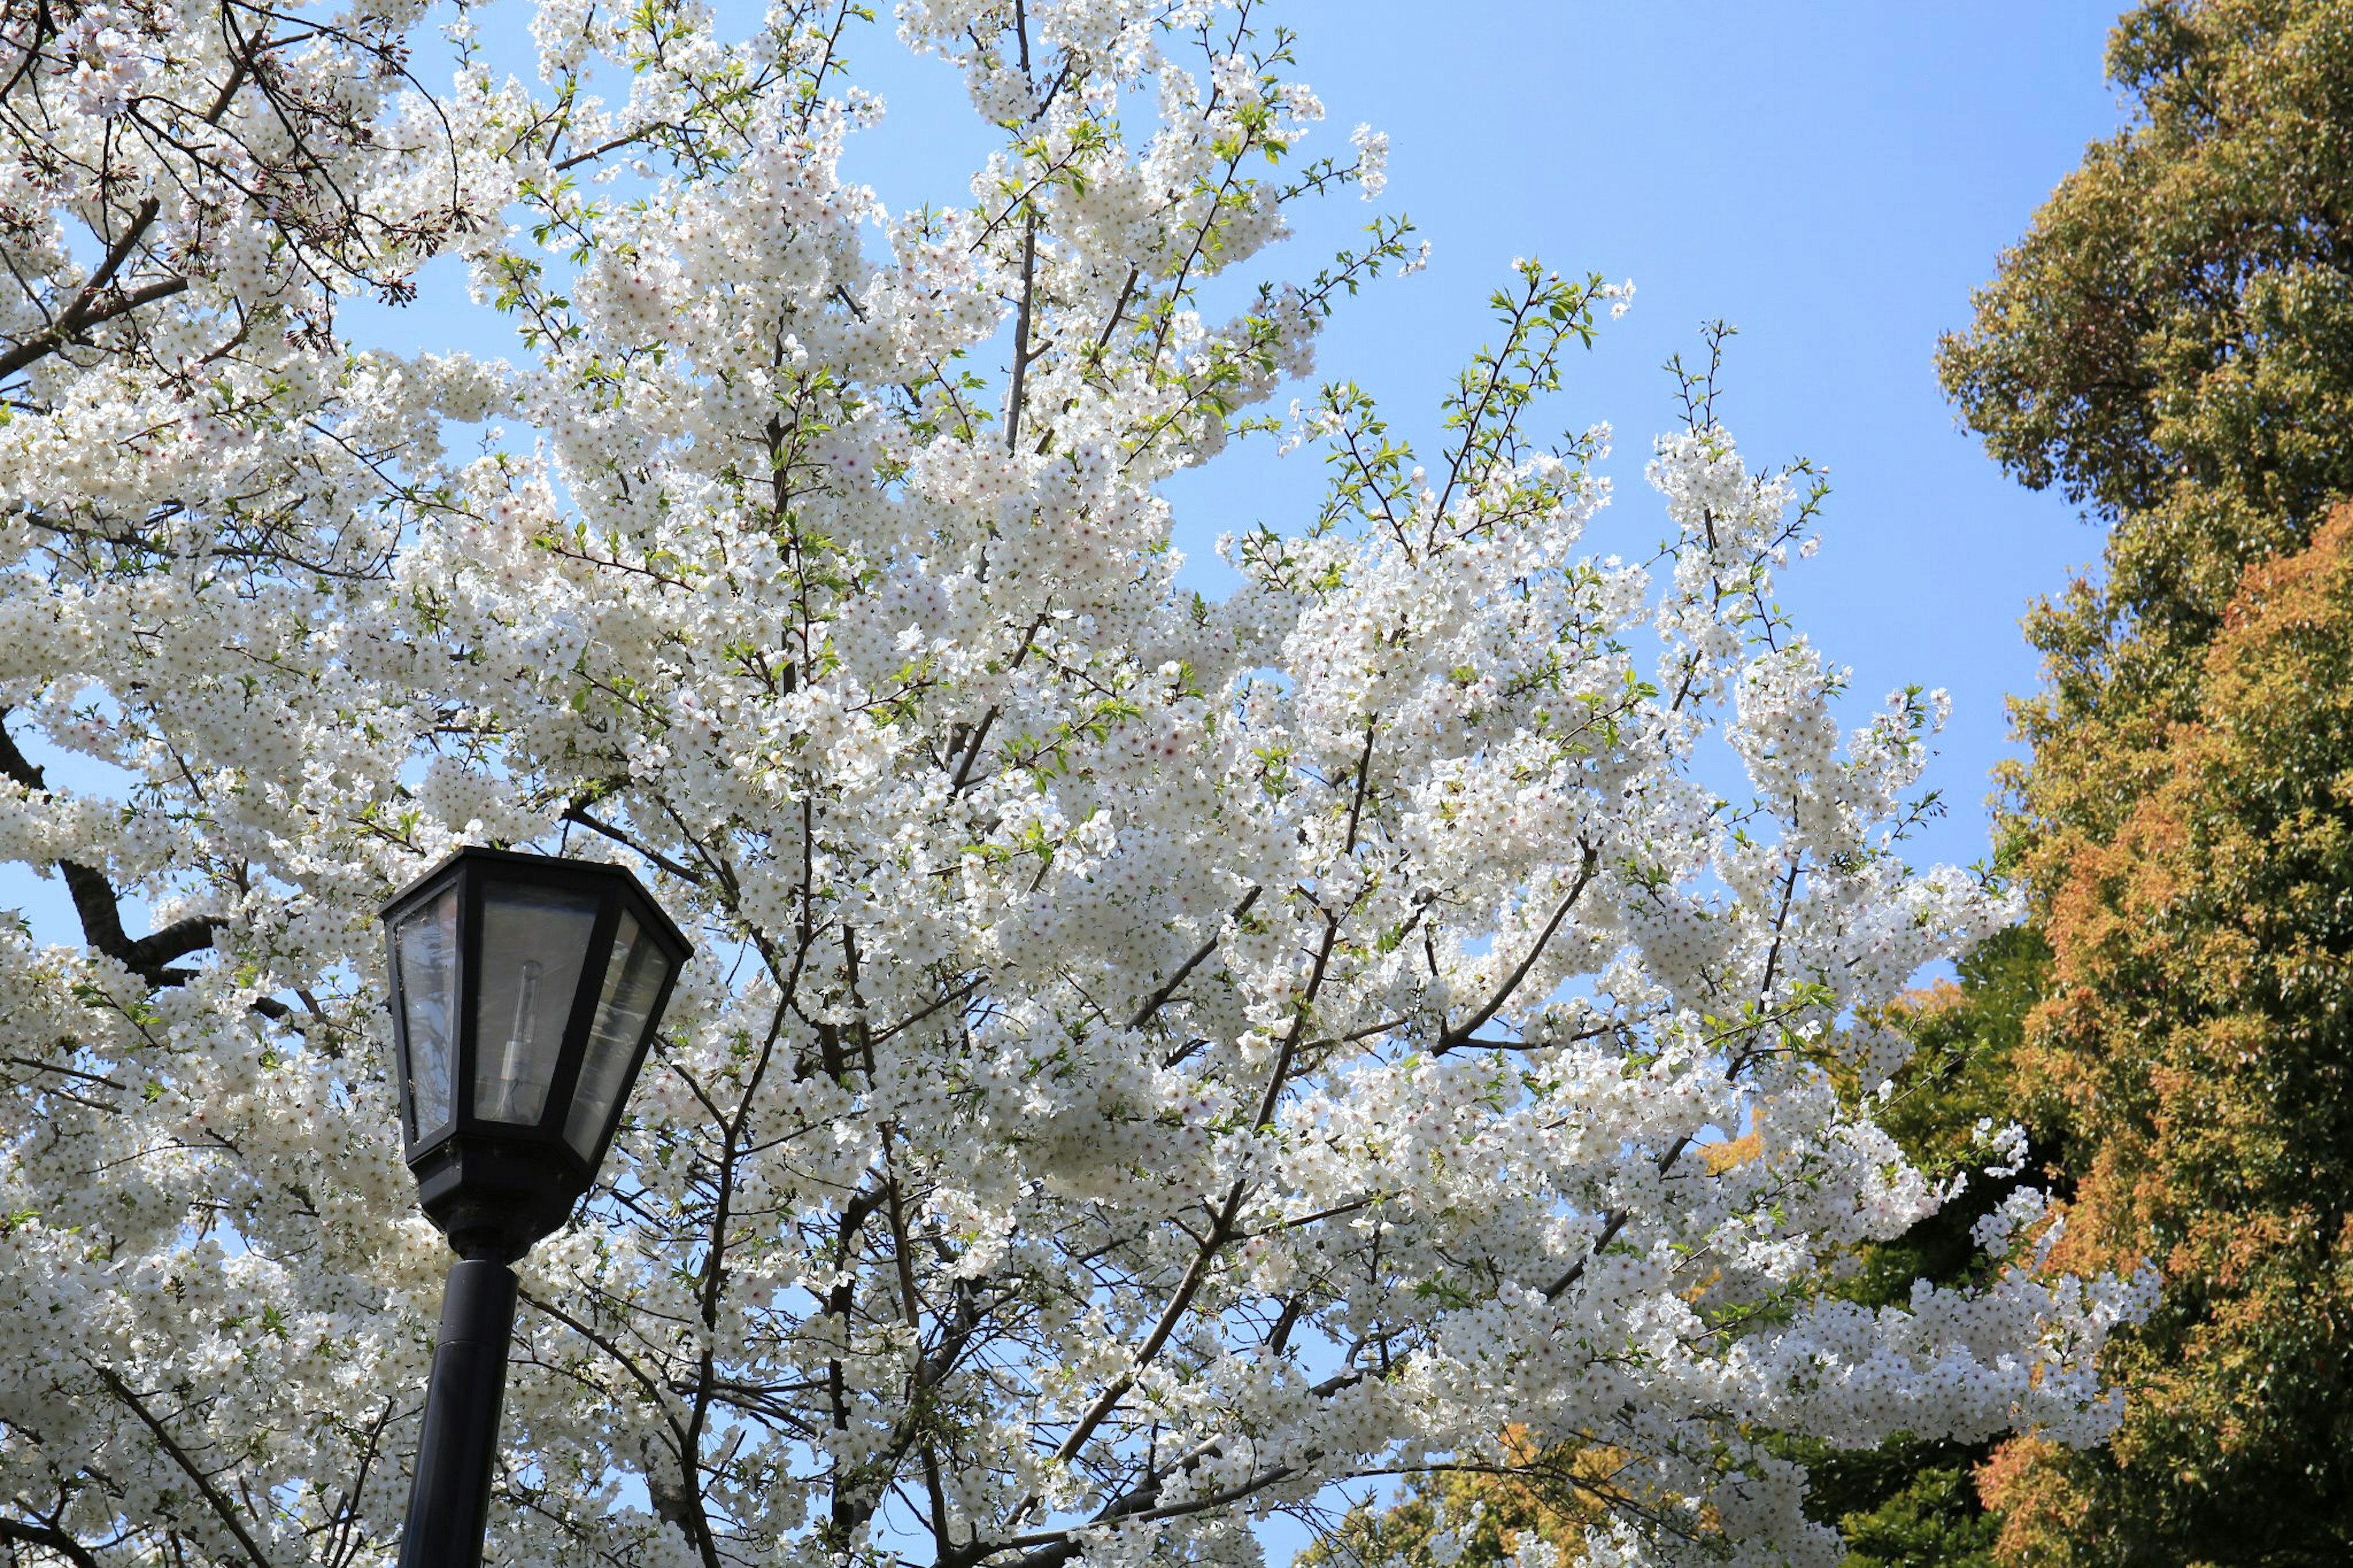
(1022, 355)
(93, 303)
(100, 907)
(49, 1538)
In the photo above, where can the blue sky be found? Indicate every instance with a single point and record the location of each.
(1831, 178)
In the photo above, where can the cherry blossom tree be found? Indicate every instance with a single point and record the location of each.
(1153, 1061)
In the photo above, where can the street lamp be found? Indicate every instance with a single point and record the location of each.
(525, 990)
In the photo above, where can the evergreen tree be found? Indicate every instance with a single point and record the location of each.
(2170, 345)
(2198, 1039)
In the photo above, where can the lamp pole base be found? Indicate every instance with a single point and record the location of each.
(449, 1500)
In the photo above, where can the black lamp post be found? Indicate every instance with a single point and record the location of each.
(525, 990)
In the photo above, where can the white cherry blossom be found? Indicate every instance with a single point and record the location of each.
(1151, 1061)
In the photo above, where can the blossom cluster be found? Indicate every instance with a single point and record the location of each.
(1150, 1062)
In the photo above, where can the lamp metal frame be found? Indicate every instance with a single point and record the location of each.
(495, 1187)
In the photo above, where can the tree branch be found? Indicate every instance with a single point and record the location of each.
(221, 1506)
(1159, 998)
(50, 1539)
(1021, 355)
(1456, 1038)
(100, 907)
(579, 813)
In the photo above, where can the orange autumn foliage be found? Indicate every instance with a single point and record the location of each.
(1493, 1510)
(2196, 1046)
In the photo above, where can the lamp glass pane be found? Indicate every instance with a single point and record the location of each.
(425, 946)
(534, 941)
(632, 980)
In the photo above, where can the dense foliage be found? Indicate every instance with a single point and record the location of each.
(1910, 1501)
(2199, 1040)
(2172, 342)
(1914, 1503)
(1150, 1062)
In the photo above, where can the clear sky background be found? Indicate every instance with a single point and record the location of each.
(1831, 178)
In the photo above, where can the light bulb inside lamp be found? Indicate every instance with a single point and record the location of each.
(526, 1019)
(523, 1075)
